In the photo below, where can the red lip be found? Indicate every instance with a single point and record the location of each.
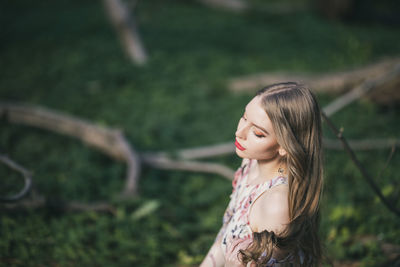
(239, 146)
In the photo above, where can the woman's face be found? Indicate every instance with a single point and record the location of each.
(255, 137)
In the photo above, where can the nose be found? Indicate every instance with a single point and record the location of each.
(241, 131)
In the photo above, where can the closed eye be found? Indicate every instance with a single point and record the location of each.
(258, 134)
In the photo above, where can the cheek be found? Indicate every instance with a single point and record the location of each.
(265, 147)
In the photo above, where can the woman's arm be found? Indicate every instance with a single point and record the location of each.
(215, 257)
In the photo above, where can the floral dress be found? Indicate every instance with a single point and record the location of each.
(236, 233)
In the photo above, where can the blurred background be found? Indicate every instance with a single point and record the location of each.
(195, 66)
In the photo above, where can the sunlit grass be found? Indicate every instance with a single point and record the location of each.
(64, 55)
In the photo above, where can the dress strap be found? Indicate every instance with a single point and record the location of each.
(277, 181)
(261, 188)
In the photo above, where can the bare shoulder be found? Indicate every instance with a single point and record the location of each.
(271, 210)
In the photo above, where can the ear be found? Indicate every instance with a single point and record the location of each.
(282, 152)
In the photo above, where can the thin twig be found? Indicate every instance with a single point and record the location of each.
(391, 154)
(25, 173)
(359, 166)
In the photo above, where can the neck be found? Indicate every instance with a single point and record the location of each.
(268, 169)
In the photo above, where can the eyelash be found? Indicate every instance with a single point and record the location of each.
(257, 135)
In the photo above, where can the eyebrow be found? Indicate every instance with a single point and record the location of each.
(261, 128)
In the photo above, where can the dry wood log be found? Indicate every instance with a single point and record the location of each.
(125, 25)
(110, 141)
(330, 82)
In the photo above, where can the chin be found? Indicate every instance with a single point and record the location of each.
(240, 153)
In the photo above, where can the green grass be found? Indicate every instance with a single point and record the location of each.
(64, 55)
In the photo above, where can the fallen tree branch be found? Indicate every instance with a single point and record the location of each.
(110, 141)
(25, 173)
(126, 28)
(162, 162)
(359, 166)
(198, 152)
(331, 82)
(361, 90)
(113, 143)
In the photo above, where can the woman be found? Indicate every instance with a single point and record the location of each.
(273, 216)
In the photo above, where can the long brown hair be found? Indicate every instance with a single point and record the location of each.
(296, 119)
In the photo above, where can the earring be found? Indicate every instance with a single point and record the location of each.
(281, 170)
